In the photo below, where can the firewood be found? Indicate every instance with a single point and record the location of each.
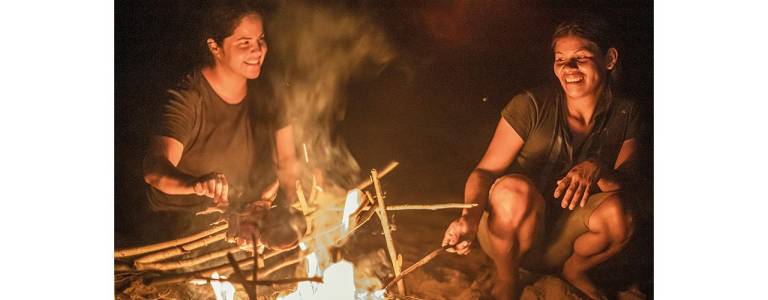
(391, 166)
(268, 282)
(179, 250)
(177, 264)
(418, 264)
(385, 226)
(249, 289)
(155, 247)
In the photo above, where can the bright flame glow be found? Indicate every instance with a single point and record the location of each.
(339, 278)
(222, 290)
(353, 201)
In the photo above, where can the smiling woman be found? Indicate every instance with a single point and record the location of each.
(221, 126)
(549, 188)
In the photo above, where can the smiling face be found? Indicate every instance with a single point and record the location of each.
(243, 52)
(580, 66)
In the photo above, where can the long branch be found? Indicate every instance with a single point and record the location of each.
(177, 264)
(391, 166)
(224, 268)
(387, 231)
(159, 246)
(179, 250)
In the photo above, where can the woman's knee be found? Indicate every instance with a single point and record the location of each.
(613, 217)
(513, 193)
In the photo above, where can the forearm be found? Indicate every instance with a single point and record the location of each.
(609, 181)
(287, 174)
(616, 179)
(162, 175)
(476, 192)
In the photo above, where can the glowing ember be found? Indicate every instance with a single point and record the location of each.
(222, 290)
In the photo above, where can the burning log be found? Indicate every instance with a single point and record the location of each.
(418, 264)
(387, 233)
(168, 244)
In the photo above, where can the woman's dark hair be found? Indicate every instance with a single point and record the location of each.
(220, 22)
(589, 27)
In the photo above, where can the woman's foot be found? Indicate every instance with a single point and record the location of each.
(584, 285)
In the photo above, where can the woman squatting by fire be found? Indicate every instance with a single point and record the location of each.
(549, 185)
(222, 136)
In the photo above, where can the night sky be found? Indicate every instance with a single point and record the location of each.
(433, 109)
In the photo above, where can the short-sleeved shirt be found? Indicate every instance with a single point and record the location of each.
(234, 139)
(539, 116)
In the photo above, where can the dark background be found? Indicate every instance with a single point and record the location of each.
(433, 109)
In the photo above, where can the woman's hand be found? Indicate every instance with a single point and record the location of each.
(213, 185)
(577, 183)
(460, 235)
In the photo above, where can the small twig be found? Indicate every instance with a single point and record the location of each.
(418, 264)
(241, 277)
(387, 233)
(172, 243)
(391, 166)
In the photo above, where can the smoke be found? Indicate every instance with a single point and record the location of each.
(316, 51)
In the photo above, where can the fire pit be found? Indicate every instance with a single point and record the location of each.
(321, 272)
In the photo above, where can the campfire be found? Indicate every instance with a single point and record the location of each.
(322, 273)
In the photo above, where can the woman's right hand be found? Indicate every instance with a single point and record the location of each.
(460, 234)
(213, 185)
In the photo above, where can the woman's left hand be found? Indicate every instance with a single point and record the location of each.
(577, 183)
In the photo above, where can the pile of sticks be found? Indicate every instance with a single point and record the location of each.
(155, 265)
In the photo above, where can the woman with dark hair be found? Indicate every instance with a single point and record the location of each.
(215, 129)
(548, 187)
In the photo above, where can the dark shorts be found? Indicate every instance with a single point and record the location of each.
(553, 241)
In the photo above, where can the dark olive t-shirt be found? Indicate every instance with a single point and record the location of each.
(539, 116)
(234, 139)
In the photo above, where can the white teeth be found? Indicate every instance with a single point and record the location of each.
(572, 79)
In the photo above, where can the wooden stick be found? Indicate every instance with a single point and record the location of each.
(387, 234)
(418, 264)
(267, 271)
(269, 282)
(313, 191)
(152, 248)
(179, 250)
(359, 224)
(241, 277)
(224, 268)
(177, 264)
(302, 199)
(391, 166)
(424, 206)
(255, 263)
